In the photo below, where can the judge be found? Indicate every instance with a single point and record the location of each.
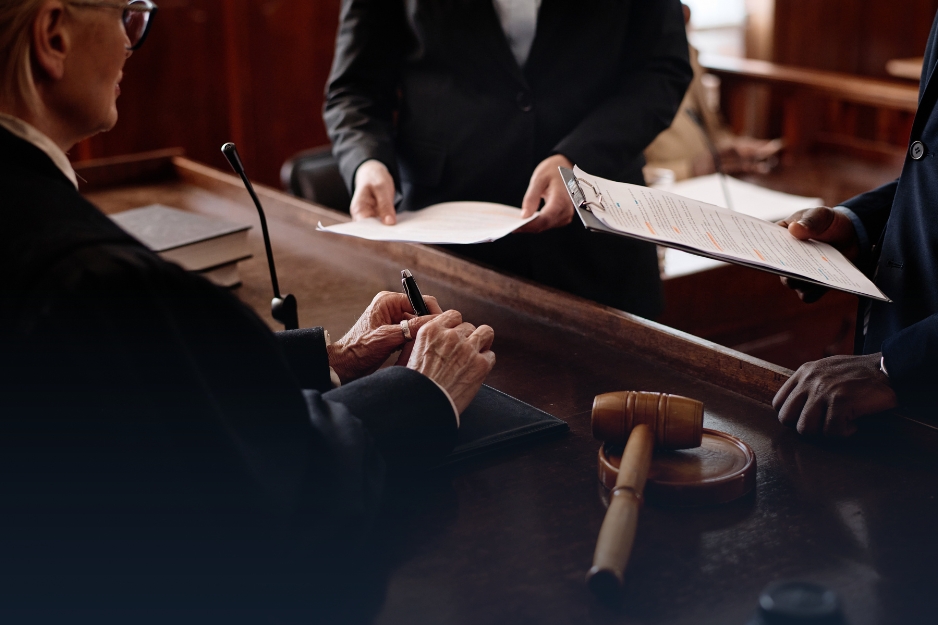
(162, 453)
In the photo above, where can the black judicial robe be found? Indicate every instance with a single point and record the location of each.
(901, 219)
(160, 448)
(431, 89)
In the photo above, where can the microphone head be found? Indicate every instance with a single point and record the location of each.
(231, 153)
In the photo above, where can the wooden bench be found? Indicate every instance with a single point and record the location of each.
(865, 117)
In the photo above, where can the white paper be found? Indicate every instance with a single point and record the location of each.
(744, 197)
(450, 222)
(671, 219)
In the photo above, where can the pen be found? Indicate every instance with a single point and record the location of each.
(413, 293)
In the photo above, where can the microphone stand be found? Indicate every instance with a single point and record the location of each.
(714, 153)
(282, 307)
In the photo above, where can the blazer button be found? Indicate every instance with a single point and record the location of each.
(917, 151)
(525, 102)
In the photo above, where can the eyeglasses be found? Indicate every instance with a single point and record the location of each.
(137, 17)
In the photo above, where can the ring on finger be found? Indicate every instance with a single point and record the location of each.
(405, 328)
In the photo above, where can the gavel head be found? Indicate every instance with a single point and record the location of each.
(676, 421)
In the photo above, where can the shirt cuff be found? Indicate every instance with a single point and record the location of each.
(333, 376)
(862, 237)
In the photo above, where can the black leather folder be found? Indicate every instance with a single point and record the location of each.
(495, 421)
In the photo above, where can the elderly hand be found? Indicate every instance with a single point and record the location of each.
(377, 334)
(828, 226)
(374, 193)
(826, 396)
(455, 355)
(547, 184)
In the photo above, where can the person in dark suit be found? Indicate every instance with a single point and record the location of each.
(484, 99)
(163, 455)
(891, 233)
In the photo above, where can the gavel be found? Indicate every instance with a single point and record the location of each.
(643, 421)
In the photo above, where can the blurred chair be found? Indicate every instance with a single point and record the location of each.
(314, 175)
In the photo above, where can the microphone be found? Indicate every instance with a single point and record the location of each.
(282, 307)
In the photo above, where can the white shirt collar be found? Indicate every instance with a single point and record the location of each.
(519, 22)
(30, 134)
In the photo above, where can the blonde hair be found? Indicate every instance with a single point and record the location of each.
(17, 88)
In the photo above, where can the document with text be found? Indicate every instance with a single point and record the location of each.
(450, 222)
(699, 228)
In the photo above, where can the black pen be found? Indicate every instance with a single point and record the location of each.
(413, 293)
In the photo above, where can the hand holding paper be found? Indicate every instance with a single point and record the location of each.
(709, 230)
(451, 222)
(545, 185)
(828, 226)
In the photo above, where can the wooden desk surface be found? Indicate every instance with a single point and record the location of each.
(508, 538)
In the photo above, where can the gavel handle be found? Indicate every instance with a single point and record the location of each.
(617, 534)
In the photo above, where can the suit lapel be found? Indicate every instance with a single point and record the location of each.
(496, 43)
(929, 85)
(550, 29)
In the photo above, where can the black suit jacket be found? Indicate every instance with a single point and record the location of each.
(901, 221)
(159, 446)
(431, 89)
(603, 78)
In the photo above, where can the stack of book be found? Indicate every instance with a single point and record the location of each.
(208, 246)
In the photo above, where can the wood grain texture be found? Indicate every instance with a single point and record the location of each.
(617, 534)
(174, 89)
(837, 85)
(853, 36)
(212, 71)
(855, 115)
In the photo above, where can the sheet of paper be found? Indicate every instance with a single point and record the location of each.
(450, 222)
(691, 225)
(745, 197)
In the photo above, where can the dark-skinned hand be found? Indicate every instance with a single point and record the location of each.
(827, 396)
(828, 226)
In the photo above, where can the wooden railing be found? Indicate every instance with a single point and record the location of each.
(860, 115)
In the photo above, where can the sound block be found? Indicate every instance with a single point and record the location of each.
(722, 469)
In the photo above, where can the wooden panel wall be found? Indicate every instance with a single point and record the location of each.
(253, 71)
(853, 36)
(248, 71)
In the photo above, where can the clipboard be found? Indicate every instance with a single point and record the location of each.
(585, 208)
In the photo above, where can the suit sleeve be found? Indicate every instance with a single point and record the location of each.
(305, 351)
(183, 371)
(873, 209)
(655, 72)
(911, 358)
(411, 429)
(361, 94)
